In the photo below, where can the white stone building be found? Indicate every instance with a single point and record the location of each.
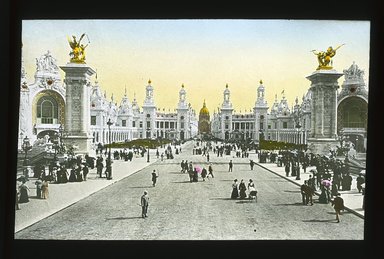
(280, 123)
(42, 110)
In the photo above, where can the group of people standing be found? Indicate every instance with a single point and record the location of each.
(239, 189)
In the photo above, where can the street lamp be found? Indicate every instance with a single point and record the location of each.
(147, 154)
(26, 147)
(109, 161)
(298, 126)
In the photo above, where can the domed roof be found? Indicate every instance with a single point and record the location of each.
(204, 110)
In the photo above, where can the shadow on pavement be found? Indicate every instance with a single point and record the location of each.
(183, 182)
(321, 220)
(292, 191)
(122, 218)
(149, 186)
(246, 201)
(223, 199)
(290, 204)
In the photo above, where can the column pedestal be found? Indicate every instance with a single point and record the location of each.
(324, 87)
(77, 107)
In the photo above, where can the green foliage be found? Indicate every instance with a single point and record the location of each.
(151, 143)
(277, 145)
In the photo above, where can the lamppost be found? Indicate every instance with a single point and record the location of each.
(26, 147)
(147, 154)
(61, 132)
(109, 161)
(21, 140)
(298, 126)
(55, 145)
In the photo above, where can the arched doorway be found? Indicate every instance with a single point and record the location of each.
(352, 112)
(352, 119)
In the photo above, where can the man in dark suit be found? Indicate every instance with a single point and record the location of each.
(230, 166)
(338, 205)
(144, 204)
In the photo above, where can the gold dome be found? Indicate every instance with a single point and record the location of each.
(204, 110)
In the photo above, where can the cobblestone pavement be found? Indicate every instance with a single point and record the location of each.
(180, 210)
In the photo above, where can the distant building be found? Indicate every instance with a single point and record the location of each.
(42, 110)
(204, 120)
(293, 125)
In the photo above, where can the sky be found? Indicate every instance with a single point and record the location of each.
(203, 55)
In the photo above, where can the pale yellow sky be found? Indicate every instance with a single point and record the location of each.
(204, 55)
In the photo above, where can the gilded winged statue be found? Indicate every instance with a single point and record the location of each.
(325, 57)
(78, 50)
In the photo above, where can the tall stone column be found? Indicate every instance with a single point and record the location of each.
(324, 111)
(77, 108)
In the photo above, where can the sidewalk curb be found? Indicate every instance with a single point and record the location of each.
(110, 182)
(292, 181)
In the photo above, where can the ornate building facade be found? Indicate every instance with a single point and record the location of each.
(280, 123)
(43, 103)
(204, 120)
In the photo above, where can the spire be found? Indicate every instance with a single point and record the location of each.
(226, 86)
(182, 85)
(125, 94)
(261, 81)
(149, 81)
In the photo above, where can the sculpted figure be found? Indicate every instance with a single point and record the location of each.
(325, 57)
(78, 50)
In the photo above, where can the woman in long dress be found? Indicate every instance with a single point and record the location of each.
(242, 189)
(251, 189)
(235, 192)
(44, 190)
(24, 193)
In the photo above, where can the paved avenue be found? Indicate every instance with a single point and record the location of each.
(180, 210)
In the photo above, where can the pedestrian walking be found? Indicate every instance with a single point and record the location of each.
(144, 204)
(306, 193)
(38, 184)
(24, 193)
(251, 163)
(230, 166)
(210, 171)
(235, 192)
(287, 168)
(154, 177)
(85, 172)
(252, 190)
(242, 189)
(44, 190)
(17, 195)
(338, 205)
(359, 181)
(207, 157)
(182, 166)
(203, 173)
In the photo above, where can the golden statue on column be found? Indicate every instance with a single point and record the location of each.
(325, 57)
(78, 50)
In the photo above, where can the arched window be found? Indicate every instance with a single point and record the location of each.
(47, 110)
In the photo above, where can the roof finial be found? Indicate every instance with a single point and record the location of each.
(182, 85)
(149, 81)
(226, 86)
(261, 81)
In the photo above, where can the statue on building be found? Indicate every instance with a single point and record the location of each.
(325, 57)
(78, 50)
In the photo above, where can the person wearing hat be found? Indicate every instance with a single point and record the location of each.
(338, 205)
(210, 171)
(144, 204)
(235, 190)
